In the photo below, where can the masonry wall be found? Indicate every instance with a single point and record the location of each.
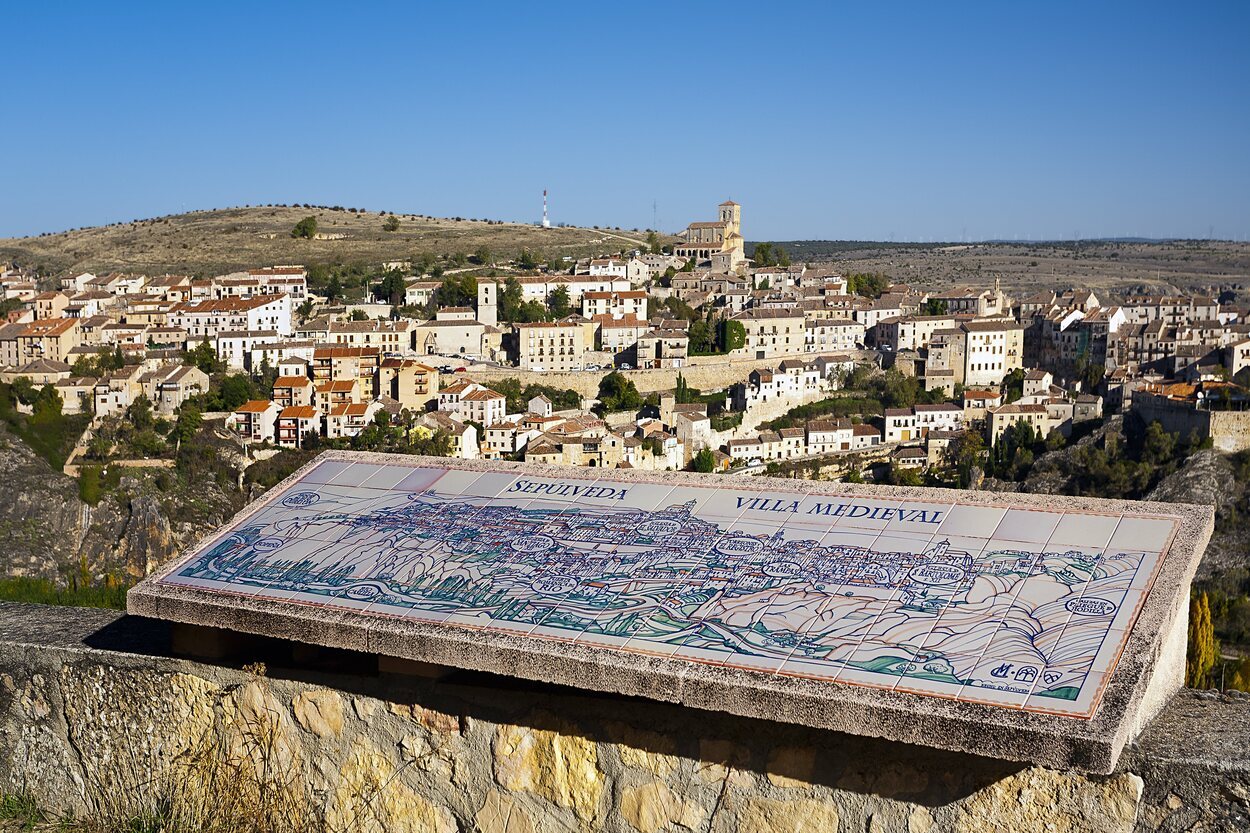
(1175, 417)
(706, 373)
(1229, 430)
(95, 716)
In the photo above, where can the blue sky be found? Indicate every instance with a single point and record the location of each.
(839, 121)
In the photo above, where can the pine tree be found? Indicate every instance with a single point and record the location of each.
(1203, 649)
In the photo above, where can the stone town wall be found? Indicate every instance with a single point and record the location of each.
(1230, 430)
(91, 708)
(1175, 417)
(705, 373)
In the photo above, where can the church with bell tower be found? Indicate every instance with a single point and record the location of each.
(718, 243)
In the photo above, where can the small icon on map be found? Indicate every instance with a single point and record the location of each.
(1027, 674)
(1002, 670)
(300, 499)
(1051, 677)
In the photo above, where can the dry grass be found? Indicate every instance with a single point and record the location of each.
(1026, 268)
(217, 241)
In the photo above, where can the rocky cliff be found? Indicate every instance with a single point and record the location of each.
(1209, 478)
(47, 531)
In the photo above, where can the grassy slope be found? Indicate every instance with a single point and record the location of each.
(212, 242)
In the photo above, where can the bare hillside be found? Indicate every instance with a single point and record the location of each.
(210, 242)
(1026, 267)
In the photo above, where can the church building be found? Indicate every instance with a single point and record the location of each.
(719, 243)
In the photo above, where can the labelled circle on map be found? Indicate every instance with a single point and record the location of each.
(783, 569)
(533, 543)
(1090, 607)
(300, 499)
(551, 585)
(363, 591)
(739, 546)
(268, 544)
(936, 574)
(658, 527)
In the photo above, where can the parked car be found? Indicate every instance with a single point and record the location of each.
(593, 367)
(626, 366)
(461, 369)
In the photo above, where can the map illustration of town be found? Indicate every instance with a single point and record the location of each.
(1017, 608)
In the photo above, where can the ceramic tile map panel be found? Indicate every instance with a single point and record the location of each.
(1017, 608)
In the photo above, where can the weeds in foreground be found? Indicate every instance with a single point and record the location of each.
(19, 811)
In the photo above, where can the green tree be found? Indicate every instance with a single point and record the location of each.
(391, 223)
(700, 336)
(235, 390)
(305, 228)
(458, 291)
(867, 284)
(424, 262)
(1203, 648)
(653, 243)
(188, 424)
(935, 306)
(1158, 446)
(966, 453)
(682, 394)
(24, 389)
(482, 257)
(733, 335)
(390, 290)
(558, 301)
(1013, 385)
(704, 461)
(618, 393)
(358, 315)
(769, 254)
(139, 415)
(89, 490)
(905, 476)
(1089, 374)
(334, 289)
(853, 476)
(528, 260)
(204, 356)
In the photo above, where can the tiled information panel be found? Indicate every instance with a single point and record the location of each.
(1016, 608)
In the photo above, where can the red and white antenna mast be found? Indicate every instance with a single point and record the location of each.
(546, 223)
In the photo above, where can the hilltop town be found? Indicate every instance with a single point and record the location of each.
(668, 356)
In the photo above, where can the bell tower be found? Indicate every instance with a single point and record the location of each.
(487, 302)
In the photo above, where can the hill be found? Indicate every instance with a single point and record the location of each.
(223, 240)
(1026, 267)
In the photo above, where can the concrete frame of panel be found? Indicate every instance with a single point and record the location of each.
(1150, 669)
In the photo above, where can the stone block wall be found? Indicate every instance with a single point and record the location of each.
(94, 713)
(1230, 430)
